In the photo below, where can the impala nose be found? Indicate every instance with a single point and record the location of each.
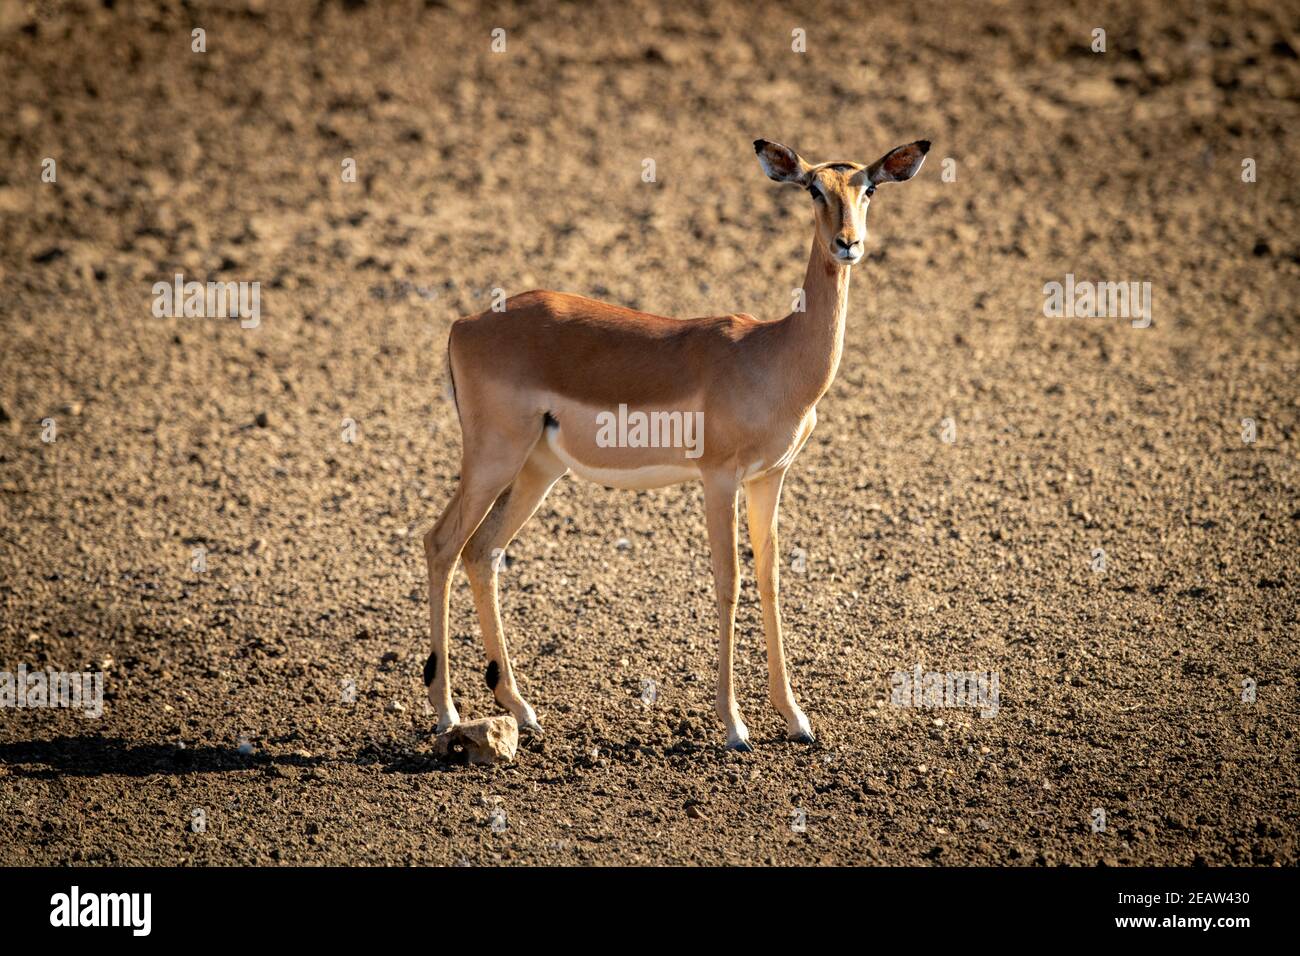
(847, 247)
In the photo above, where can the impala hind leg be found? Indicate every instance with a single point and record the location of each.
(763, 498)
(488, 466)
(512, 509)
(720, 511)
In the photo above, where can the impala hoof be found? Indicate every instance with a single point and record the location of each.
(740, 746)
(797, 729)
(531, 729)
(447, 721)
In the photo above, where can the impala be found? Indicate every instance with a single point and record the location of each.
(534, 382)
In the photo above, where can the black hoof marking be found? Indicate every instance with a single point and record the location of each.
(430, 669)
(802, 738)
(492, 675)
(741, 747)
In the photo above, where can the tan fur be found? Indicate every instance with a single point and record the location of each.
(564, 359)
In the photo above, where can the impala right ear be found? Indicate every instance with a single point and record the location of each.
(781, 162)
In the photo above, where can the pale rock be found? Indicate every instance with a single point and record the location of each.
(485, 741)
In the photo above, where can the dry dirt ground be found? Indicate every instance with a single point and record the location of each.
(1124, 690)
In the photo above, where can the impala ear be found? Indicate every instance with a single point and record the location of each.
(781, 162)
(898, 165)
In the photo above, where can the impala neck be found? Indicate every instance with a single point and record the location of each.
(815, 337)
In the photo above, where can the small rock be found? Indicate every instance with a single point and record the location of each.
(396, 707)
(480, 742)
(1100, 91)
(261, 420)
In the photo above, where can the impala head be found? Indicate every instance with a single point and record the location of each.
(841, 192)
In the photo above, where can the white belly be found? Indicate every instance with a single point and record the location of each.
(635, 479)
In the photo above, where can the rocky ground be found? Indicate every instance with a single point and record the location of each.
(970, 461)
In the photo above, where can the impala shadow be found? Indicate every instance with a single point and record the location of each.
(91, 756)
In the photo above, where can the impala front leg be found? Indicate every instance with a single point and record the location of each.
(763, 497)
(720, 507)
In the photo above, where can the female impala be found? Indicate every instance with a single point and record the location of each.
(538, 385)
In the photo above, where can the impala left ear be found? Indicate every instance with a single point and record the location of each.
(898, 165)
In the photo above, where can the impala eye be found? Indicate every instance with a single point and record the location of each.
(816, 192)
(870, 191)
